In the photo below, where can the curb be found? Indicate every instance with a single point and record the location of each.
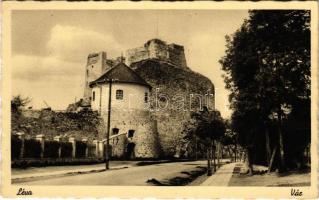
(62, 174)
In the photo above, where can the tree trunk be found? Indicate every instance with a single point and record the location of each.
(213, 150)
(230, 154)
(268, 150)
(281, 144)
(196, 149)
(218, 155)
(249, 164)
(272, 159)
(209, 168)
(235, 152)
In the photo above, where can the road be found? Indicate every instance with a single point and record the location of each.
(137, 175)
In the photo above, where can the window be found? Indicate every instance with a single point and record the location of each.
(119, 94)
(130, 133)
(146, 97)
(93, 95)
(115, 131)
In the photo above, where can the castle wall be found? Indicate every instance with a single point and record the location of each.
(129, 113)
(176, 55)
(93, 70)
(172, 113)
(157, 49)
(136, 54)
(145, 138)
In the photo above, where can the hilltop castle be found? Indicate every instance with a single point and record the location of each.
(98, 63)
(145, 70)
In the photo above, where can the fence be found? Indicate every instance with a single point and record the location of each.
(39, 148)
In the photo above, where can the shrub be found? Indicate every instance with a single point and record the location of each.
(66, 150)
(32, 148)
(51, 149)
(80, 149)
(15, 148)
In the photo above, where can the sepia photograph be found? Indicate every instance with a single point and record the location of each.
(162, 97)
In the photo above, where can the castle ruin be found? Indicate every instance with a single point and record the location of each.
(158, 49)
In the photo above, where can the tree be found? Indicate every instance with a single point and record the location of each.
(206, 127)
(17, 103)
(267, 65)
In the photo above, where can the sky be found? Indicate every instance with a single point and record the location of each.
(50, 47)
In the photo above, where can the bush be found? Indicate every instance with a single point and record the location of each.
(80, 149)
(32, 148)
(51, 149)
(15, 148)
(66, 150)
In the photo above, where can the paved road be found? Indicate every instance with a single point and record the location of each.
(130, 176)
(17, 173)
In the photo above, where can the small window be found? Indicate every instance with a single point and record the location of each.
(93, 95)
(115, 131)
(119, 94)
(130, 133)
(92, 66)
(146, 97)
(87, 72)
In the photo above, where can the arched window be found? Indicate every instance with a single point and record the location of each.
(119, 94)
(93, 95)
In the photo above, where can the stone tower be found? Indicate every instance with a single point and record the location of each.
(97, 64)
(158, 49)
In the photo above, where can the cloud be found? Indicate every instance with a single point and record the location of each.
(59, 77)
(33, 68)
(47, 78)
(73, 43)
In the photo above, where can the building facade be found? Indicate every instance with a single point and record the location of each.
(150, 131)
(129, 112)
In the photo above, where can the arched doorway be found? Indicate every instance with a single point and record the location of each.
(130, 151)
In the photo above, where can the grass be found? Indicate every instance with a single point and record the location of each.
(181, 179)
(293, 178)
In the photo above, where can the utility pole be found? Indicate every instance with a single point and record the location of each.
(107, 159)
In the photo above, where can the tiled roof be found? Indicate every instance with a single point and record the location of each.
(121, 73)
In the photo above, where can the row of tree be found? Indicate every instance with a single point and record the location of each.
(204, 132)
(267, 70)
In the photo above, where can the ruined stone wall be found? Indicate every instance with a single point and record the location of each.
(136, 54)
(145, 136)
(157, 49)
(50, 123)
(169, 85)
(176, 55)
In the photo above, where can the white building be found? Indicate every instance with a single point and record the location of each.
(129, 112)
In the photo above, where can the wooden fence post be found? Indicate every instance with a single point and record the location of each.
(72, 140)
(40, 138)
(101, 149)
(21, 136)
(85, 140)
(58, 139)
(96, 143)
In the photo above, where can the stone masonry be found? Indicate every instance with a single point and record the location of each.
(158, 49)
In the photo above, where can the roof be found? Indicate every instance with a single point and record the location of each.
(121, 73)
